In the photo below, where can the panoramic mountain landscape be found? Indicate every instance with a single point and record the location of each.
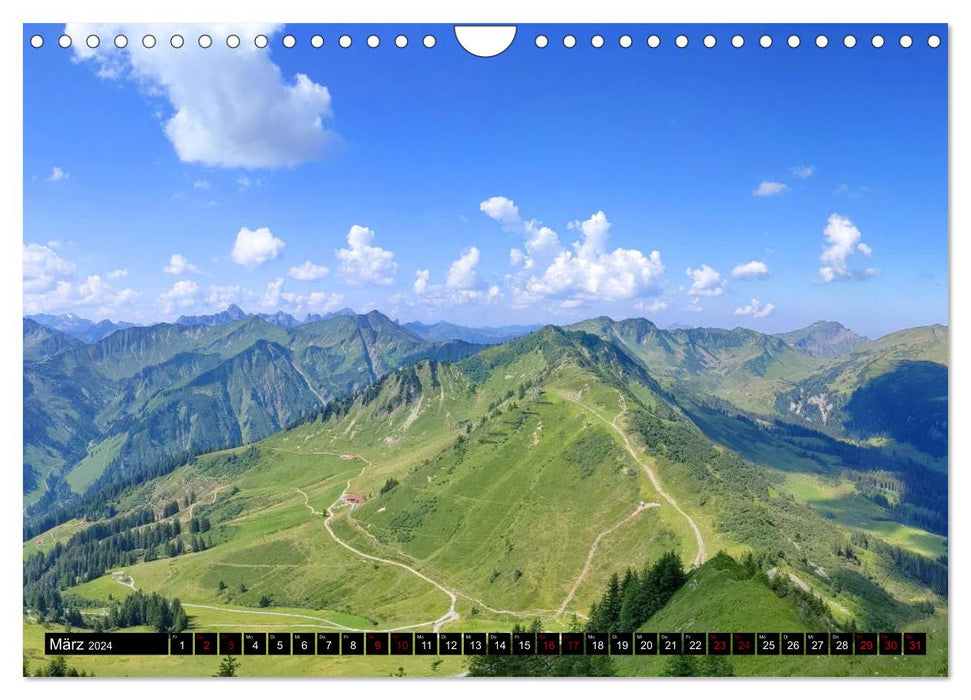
(348, 473)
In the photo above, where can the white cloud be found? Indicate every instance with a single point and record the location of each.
(275, 298)
(229, 107)
(421, 281)
(182, 295)
(43, 268)
(49, 286)
(803, 172)
(254, 248)
(705, 282)
(755, 308)
(767, 188)
(118, 274)
(463, 285)
(308, 272)
(180, 265)
(362, 263)
(503, 210)
(222, 296)
(750, 270)
(654, 307)
(694, 306)
(57, 174)
(201, 184)
(842, 241)
(589, 272)
(462, 273)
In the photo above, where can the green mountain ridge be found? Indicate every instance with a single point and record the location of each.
(175, 390)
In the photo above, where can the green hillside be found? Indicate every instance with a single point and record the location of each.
(167, 391)
(503, 488)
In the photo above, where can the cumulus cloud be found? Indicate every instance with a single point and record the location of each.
(421, 281)
(463, 285)
(118, 274)
(230, 108)
(308, 272)
(503, 210)
(362, 263)
(842, 241)
(767, 188)
(43, 268)
(462, 273)
(254, 248)
(586, 271)
(654, 307)
(201, 184)
(705, 282)
(180, 265)
(49, 285)
(750, 270)
(181, 295)
(276, 298)
(803, 172)
(755, 309)
(57, 174)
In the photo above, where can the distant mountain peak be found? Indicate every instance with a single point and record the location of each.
(823, 339)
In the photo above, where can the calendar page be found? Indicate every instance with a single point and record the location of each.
(513, 350)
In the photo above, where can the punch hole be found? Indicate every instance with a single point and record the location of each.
(401, 41)
(121, 41)
(316, 41)
(933, 41)
(710, 41)
(374, 41)
(289, 41)
(64, 41)
(177, 41)
(232, 41)
(261, 42)
(92, 41)
(738, 41)
(597, 41)
(793, 41)
(36, 41)
(205, 41)
(625, 41)
(822, 41)
(765, 41)
(344, 41)
(429, 41)
(849, 41)
(906, 41)
(654, 41)
(569, 41)
(148, 41)
(484, 42)
(681, 41)
(877, 41)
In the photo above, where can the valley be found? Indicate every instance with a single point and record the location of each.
(452, 487)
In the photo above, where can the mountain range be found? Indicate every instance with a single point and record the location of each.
(499, 483)
(147, 394)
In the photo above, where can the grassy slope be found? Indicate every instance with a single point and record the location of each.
(502, 502)
(714, 599)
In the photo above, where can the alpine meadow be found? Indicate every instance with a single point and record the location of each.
(345, 474)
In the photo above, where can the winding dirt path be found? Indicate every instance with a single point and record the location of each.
(450, 615)
(215, 494)
(702, 554)
(593, 550)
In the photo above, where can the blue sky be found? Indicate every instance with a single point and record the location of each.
(766, 188)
